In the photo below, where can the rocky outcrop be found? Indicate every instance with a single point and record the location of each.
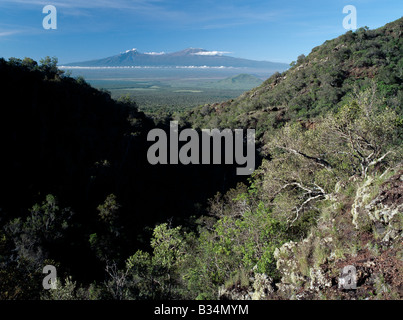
(260, 288)
(234, 293)
(263, 287)
(300, 264)
(319, 280)
(381, 206)
(312, 268)
(287, 264)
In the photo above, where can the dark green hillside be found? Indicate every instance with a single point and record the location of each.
(76, 186)
(327, 195)
(318, 83)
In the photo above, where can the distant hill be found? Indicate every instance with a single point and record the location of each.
(241, 81)
(185, 58)
(318, 83)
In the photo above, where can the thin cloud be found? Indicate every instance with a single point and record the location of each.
(155, 53)
(88, 4)
(5, 33)
(201, 16)
(8, 33)
(210, 53)
(234, 17)
(83, 8)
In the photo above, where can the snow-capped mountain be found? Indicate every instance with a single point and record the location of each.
(189, 57)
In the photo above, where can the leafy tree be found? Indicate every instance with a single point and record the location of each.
(32, 236)
(48, 65)
(157, 276)
(309, 158)
(244, 241)
(108, 214)
(371, 135)
(69, 290)
(29, 63)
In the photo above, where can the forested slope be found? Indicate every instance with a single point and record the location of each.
(76, 185)
(321, 82)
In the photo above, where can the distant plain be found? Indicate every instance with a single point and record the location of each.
(171, 88)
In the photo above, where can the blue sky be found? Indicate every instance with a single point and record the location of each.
(252, 29)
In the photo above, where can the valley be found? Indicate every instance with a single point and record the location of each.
(80, 191)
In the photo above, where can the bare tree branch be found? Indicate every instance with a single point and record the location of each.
(319, 161)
